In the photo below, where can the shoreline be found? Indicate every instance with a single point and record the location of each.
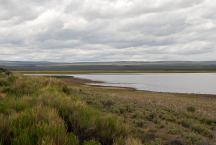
(89, 82)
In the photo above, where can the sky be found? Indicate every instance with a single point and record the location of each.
(107, 30)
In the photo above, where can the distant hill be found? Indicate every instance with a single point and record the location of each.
(24, 63)
(120, 65)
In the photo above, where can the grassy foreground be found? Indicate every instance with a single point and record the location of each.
(54, 111)
(44, 111)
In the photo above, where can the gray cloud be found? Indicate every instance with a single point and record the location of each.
(107, 30)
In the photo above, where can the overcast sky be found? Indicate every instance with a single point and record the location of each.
(107, 30)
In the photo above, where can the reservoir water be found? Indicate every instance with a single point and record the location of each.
(200, 83)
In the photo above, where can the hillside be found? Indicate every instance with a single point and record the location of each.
(44, 111)
(117, 66)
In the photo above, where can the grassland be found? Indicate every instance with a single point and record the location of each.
(66, 111)
(155, 118)
(45, 111)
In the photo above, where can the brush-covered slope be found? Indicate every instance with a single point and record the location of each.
(43, 111)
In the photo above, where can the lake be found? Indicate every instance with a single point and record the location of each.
(200, 83)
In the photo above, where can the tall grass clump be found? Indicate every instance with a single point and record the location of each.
(4, 130)
(35, 125)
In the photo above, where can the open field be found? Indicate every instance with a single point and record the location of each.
(66, 111)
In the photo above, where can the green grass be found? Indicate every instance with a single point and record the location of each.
(44, 111)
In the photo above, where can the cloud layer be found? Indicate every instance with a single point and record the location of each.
(107, 30)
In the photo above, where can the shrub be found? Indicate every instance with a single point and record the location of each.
(191, 109)
(107, 103)
(127, 141)
(35, 125)
(91, 142)
(109, 128)
(133, 141)
(187, 123)
(82, 121)
(154, 142)
(139, 123)
(202, 130)
(21, 87)
(65, 89)
(4, 71)
(175, 142)
(122, 110)
(173, 129)
(22, 139)
(72, 140)
(4, 130)
(151, 116)
(192, 139)
(46, 141)
(119, 141)
(6, 79)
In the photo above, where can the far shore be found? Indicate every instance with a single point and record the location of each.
(110, 71)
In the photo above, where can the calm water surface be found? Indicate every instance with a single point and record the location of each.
(201, 83)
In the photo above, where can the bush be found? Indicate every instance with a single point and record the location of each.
(66, 90)
(35, 125)
(4, 71)
(133, 141)
(46, 141)
(174, 130)
(202, 130)
(127, 141)
(72, 140)
(4, 130)
(91, 142)
(107, 103)
(22, 87)
(192, 139)
(175, 142)
(191, 109)
(187, 123)
(139, 123)
(22, 139)
(6, 79)
(109, 128)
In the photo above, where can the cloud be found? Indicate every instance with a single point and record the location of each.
(107, 30)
